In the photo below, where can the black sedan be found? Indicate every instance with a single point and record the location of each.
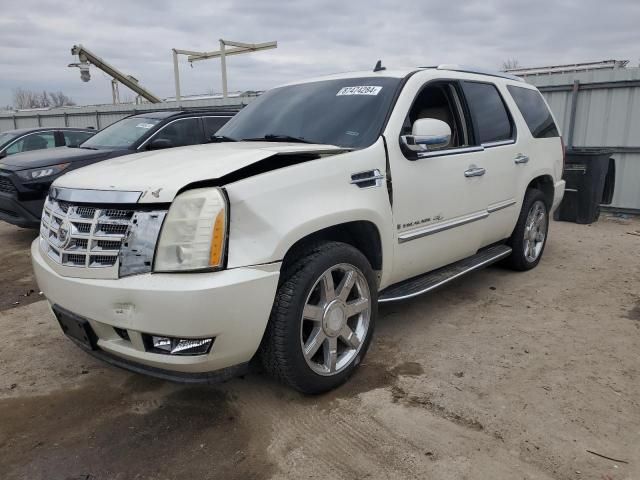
(25, 179)
(29, 139)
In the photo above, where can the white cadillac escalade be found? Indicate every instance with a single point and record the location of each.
(315, 203)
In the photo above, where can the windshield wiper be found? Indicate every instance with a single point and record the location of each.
(272, 137)
(89, 148)
(222, 138)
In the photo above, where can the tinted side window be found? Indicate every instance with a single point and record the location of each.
(534, 111)
(182, 132)
(213, 124)
(74, 139)
(35, 141)
(489, 114)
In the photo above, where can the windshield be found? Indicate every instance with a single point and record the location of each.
(122, 134)
(347, 113)
(6, 138)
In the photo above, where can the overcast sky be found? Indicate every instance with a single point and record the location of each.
(314, 37)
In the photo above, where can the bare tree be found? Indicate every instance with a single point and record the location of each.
(29, 99)
(44, 100)
(59, 99)
(24, 98)
(510, 63)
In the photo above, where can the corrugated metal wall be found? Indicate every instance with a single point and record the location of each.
(103, 115)
(607, 114)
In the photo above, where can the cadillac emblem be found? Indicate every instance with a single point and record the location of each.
(64, 234)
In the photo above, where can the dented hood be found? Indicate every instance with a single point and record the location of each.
(159, 175)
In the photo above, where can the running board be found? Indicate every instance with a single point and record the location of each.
(430, 281)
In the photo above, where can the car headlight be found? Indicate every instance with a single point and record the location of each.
(194, 234)
(42, 172)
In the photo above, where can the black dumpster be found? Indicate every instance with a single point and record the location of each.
(590, 176)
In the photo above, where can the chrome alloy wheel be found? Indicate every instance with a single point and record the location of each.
(335, 319)
(535, 231)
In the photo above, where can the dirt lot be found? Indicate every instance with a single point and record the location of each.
(499, 376)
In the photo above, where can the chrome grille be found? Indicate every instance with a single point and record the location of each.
(82, 236)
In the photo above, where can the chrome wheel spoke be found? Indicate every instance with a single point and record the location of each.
(345, 286)
(328, 289)
(349, 337)
(331, 354)
(315, 341)
(357, 306)
(312, 312)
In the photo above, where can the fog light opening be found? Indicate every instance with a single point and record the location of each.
(122, 333)
(178, 346)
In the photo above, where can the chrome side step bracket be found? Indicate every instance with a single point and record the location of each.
(430, 281)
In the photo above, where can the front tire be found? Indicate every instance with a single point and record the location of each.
(322, 319)
(530, 235)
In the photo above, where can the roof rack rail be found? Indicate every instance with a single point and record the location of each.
(481, 71)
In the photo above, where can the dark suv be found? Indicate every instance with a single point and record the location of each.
(25, 178)
(30, 139)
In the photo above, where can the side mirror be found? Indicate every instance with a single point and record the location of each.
(427, 134)
(160, 143)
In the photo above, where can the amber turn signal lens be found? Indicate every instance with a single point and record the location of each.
(217, 240)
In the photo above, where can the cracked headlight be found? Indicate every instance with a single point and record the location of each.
(194, 234)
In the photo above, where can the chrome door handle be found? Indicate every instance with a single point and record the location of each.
(520, 158)
(474, 172)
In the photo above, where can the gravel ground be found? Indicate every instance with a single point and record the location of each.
(501, 375)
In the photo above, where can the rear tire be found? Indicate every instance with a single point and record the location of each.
(322, 318)
(530, 234)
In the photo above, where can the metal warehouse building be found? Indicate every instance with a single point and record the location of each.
(596, 104)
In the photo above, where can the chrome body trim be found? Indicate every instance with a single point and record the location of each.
(421, 143)
(453, 223)
(471, 268)
(474, 171)
(362, 181)
(139, 245)
(451, 151)
(23, 136)
(76, 195)
(500, 205)
(442, 226)
(499, 143)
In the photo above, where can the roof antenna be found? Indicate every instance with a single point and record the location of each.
(379, 67)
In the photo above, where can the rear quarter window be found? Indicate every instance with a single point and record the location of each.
(535, 112)
(213, 124)
(75, 138)
(488, 112)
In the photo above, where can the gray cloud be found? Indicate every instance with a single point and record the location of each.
(315, 37)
